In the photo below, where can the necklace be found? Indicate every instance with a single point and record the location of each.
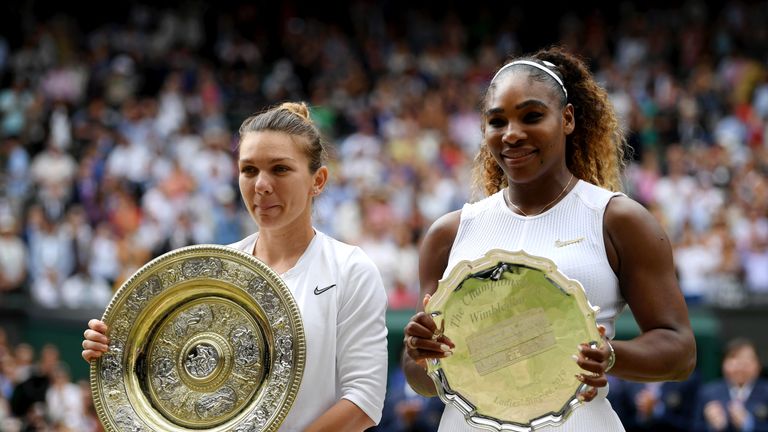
(509, 200)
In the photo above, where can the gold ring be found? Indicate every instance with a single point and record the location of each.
(409, 343)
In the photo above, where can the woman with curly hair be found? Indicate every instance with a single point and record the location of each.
(550, 163)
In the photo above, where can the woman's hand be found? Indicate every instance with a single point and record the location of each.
(96, 342)
(423, 340)
(594, 360)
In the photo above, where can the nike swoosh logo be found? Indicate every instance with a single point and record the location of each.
(561, 243)
(319, 290)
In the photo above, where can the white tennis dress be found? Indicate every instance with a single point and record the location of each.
(343, 304)
(571, 235)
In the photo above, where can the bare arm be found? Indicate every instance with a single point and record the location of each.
(342, 416)
(641, 256)
(433, 259)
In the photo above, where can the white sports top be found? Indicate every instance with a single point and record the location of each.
(343, 304)
(571, 235)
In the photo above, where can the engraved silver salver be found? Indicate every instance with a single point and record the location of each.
(516, 322)
(203, 338)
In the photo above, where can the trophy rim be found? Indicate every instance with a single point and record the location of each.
(494, 259)
(257, 267)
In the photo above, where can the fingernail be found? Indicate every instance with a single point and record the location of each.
(576, 359)
(445, 347)
(580, 348)
(447, 354)
(579, 377)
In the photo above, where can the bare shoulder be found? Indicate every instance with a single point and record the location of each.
(640, 252)
(436, 249)
(444, 228)
(628, 220)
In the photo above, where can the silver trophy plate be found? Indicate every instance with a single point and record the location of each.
(516, 322)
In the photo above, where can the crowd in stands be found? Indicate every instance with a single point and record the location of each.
(117, 141)
(37, 393)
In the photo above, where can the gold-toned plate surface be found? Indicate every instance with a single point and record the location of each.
(516, 322)
(203, 338)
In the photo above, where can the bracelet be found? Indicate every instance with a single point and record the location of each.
(611, 357)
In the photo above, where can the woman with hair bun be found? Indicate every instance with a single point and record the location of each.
(550, 163)
(336, 286)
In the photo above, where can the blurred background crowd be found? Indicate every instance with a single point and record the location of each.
(117, 139)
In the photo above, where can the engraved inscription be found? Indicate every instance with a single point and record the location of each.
(216, 404)
(201, 360)
(538, 395)
(510, 341)
(494, 309)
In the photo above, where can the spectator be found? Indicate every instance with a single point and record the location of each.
(24, 356)
(695, 262)
(14, 103)
(661, 406)
(739, 401)
(675, 191)
(63, 400)
(82, 290)
(7, 376)
(755, 260)
(16, 165)
(29, 394)
(13, 257)
(407, 411)
(125, 99)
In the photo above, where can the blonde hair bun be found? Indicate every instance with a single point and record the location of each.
(299, 108)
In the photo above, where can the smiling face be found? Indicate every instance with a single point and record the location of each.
(525, 127)
(275, 182)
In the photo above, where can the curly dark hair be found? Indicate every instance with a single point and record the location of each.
(595, 150)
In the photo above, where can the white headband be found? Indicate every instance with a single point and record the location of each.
(537, 66)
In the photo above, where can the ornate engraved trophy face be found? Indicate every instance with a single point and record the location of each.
(516, 321)
(203, 338)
